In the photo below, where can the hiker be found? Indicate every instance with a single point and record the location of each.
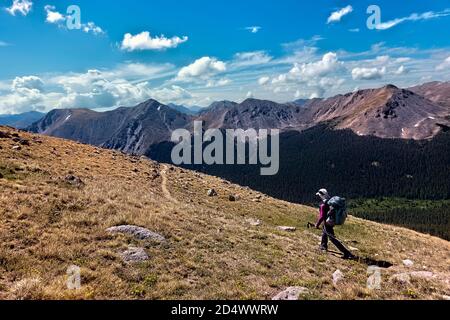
(327, 216)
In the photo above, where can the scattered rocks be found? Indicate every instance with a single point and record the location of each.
(254, 222)
(408, 263)
(291, 293)
(212, 193)
(287, 229)
(405, 278)
(137, 232)
(338, 276)
(4, 135)
(134, 255)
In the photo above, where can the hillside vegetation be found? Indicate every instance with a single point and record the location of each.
(58, 198)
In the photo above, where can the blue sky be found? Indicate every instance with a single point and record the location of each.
(198, 51)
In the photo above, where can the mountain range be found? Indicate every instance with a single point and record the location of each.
(417, 113)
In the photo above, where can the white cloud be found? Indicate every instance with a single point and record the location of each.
(401, 70)
(55, 17)
(218, 83)
(338, 15)
(328, 64)
(250, 95)
(444, 65)
(248, 59)
(368, 73)
(52, 15)
(263, 81)
(202, 68)
(3, 44)
(144, 41)
(253, 29)
(28, 82)
(413, 17)
(22, 6)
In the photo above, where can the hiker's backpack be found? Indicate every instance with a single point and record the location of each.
(340, 209)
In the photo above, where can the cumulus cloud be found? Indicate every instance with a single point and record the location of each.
(145, 41)
(20, 6)
(263, 81)
(368, 73)
(202, 68)
(93, 89)
(328, 64)
(28, 82)
(253, 29)
(444, 65)
(55, 17)
(338, 15)
(413, 17)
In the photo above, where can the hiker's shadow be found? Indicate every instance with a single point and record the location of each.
(367, 261)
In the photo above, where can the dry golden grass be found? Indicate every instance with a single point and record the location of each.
(212, 252)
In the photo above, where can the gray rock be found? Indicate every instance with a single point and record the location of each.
(408, 263)
(291, 293)
(17, 148)
(287, 229)
(403, 278)
(137, 232)
(254, 222)
(446, 298)
(134, 255)
(212, 193)
(422, 274)
(338, 276)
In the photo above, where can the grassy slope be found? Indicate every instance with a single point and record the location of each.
(46, 225)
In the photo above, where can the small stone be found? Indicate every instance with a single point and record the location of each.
(422, 274)
(402, 278)
(408, 263)
(291, 294)
(254, 222)
(212, 193)
(73, 180)
(17, 148)
(287, 229)
(137, 232)
(134, 255)
(338, 276)
(232, 198)
(446, 297)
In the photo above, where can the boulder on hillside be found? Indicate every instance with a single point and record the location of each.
(291, 293)
(137, 232)
(134, 255)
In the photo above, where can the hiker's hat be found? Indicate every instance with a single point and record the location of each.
(323, 193)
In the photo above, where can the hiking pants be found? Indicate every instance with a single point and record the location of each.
(329, 230)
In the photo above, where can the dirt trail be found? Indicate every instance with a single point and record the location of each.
(164, 188)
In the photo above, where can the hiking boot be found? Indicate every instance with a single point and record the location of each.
(324, 249)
